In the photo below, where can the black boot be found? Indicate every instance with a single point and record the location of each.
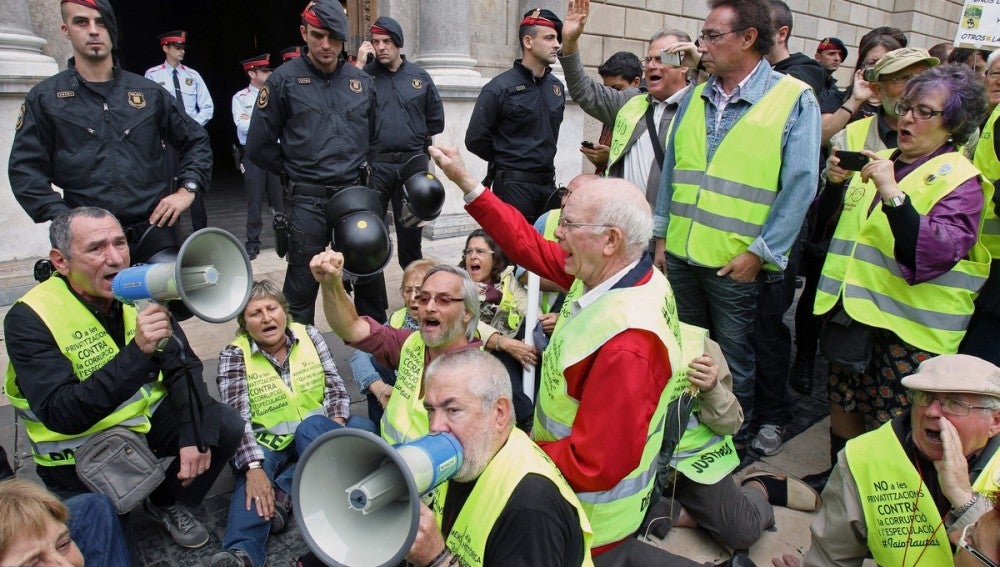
(737, 560)
(800, 377)
(818, 481)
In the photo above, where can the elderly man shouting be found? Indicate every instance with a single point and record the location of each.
(899, 493)
(601, 400)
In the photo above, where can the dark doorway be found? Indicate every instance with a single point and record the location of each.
(221, 33)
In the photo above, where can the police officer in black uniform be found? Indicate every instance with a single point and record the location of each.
(515, 124)
(322, 110)
(98, 132)
(410, 112)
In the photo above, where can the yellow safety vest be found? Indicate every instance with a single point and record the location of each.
(701, 455)
(719, 208)
(507, 302)
(888, 485)
(397, 318)
(547, 299)
(857, 133)
(83, 340)
(518, 458)
(617, 512)
(861, 268)
(275, 409)
(628, 117)
(986, 160)
(405, 418)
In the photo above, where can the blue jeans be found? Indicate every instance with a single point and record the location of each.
(94, 527)
(246, 530)
(728, 310)
(365, 371)
(314, 426)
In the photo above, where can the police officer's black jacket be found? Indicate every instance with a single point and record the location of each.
(105, 147)
(409, 107)
(325, 123)
(515, 124)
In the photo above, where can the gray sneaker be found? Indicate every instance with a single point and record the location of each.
(768, 440)
(184, 529)
(236, 558)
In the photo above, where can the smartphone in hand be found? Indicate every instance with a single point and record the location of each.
(671, 59)
(587, 144)
(852, 161)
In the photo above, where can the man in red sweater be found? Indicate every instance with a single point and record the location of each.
(601, 398)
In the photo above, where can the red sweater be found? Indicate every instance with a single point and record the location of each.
(618, 386)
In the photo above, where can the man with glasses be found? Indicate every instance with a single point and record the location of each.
(728, 228)
(636, 150)
(448, 313)
(601, 399)
(186, 85)
(900, 492)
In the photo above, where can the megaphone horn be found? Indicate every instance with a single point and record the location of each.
(357, 499)
(211, 274)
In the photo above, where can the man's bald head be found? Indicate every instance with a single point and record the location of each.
(620, 203)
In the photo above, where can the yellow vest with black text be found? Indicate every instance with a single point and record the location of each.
(405, 418)
(988, 163)
(83, 340)
(617, 512)
(518, 458)
(888, 485)
(861, 268)
(701, 455)
(275, 409)
(628, 117)
(508, 303)
(719, 208)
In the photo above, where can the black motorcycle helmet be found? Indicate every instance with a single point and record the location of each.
(423, 193)
(353, 216)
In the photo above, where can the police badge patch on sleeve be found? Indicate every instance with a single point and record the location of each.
(263, 97)
(20, 119)
(417, 83)
(354, 85)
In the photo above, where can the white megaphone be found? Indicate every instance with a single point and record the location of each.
(357, 499)
(211, 275)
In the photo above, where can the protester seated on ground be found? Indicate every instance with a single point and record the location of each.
(36, 528)
(696, 477)
(281, 378)
(502, 298)
(374, 380)
(140, 374)
(924, 473)
(906, 259)
(979, 543)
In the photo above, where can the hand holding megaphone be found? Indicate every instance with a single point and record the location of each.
(429, 541)
(328, 267)
(152, 328)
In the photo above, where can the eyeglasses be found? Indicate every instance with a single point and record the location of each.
(897, 80)
(410, 290)
(565, 224)
(440, 300)
(919, 112)
(476, 252)
(714, 37)
(950, 406)
(966, 543)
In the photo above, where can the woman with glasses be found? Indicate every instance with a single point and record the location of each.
(502, 299)
(905, 261)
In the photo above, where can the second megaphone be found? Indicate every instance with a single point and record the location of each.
(211, 274)
(357, 499)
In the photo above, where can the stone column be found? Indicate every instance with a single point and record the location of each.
(22, 65)
(446, 41)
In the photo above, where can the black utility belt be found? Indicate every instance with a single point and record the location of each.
(395, 157)
(309, 190)
(525, 176)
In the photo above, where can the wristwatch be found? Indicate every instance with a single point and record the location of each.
(894, 202)
(253, 465)
(191, 186)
